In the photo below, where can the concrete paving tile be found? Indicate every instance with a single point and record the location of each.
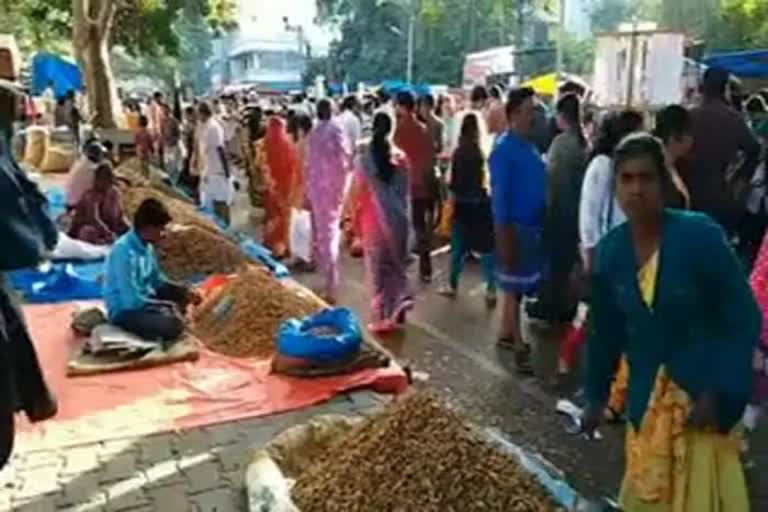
(127, 494)
(80, 460)
(234, 457)
(191, 442)
(163, 474)
(155, 448)
(225, 434)
(37, 482)
(108, 448)
(39, 504)
(203, 477)
(219, 500)
(80, 489)
(96, 503)
(174, 498)
(119, 467)
(236, 479)
(42, 459)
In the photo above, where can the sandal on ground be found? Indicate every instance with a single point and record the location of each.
(401, 311)
(386, 326)
(506, 342)
(491, 299)
(447, 291)
(523, 360)
(612, 416)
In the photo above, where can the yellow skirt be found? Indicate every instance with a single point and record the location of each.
(672, 469)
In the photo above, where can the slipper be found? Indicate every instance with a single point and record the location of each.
(523, 360)
(506, 342)
(447, 291)
(383, 327)
(491, 300)
(399, 315)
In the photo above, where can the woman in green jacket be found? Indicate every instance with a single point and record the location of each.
(670, 293)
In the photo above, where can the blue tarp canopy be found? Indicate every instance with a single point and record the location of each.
(47, 68)
(395, 86)
(745, 64)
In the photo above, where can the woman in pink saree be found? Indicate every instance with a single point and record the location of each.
(328, 162)
(382, 180)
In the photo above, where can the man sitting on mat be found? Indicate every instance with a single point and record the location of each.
(139, 298)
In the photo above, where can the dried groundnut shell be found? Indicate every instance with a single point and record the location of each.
(181, 211)
(189, 251)
(259, 305)
(417, 455)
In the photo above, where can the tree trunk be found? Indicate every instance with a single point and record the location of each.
(91, 38)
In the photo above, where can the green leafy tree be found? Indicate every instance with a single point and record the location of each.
(698, 18)
(39, 25)
(740, 24)
(195, 46)
(373, 34)
(142, 27)
(607, 15)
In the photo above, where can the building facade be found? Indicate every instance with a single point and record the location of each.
(267, 53)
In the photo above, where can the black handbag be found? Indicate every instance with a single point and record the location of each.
(27, 231)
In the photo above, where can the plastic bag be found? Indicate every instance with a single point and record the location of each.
(446, 219)
(37, 141)
(69, 248)
(301, 234)
(57, 159)
(273, 467)
(300, 339)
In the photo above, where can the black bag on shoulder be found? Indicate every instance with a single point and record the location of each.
(27, 232)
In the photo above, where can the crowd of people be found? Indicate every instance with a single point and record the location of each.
(642, 217)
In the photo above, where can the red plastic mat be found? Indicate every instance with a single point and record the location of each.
(214, 389)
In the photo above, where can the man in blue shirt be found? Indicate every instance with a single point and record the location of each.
(139, 298)
(518, 185)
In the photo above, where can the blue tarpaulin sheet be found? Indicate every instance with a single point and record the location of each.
(47, 68)
(59, 282)
(746, 64)
(395, 86)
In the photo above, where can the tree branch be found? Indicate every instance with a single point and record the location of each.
(105, 12)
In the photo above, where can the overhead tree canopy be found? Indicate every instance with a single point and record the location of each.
(741, 24)
(373, 34)
(142, 27)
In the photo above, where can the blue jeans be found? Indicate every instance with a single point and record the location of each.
(459, 256)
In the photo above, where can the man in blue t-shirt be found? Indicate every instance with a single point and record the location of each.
(518, 184)
(139, 298)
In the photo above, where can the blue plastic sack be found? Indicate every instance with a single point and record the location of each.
(296, 339)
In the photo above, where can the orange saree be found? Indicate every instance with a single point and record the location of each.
(281, 175)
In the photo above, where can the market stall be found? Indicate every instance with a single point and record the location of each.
(229, 365)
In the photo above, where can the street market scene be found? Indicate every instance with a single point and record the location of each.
(383, 255)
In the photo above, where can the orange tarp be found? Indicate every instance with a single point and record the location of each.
(212, 390)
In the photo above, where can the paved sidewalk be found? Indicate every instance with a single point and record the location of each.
(200, 470)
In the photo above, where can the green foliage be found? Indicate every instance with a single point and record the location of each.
(149, 72)
(578, 55)
(373, 34)
(37, 24)
(607, 15)
(142, 27)
(195, 46)
(698, 18)
(742, 24)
